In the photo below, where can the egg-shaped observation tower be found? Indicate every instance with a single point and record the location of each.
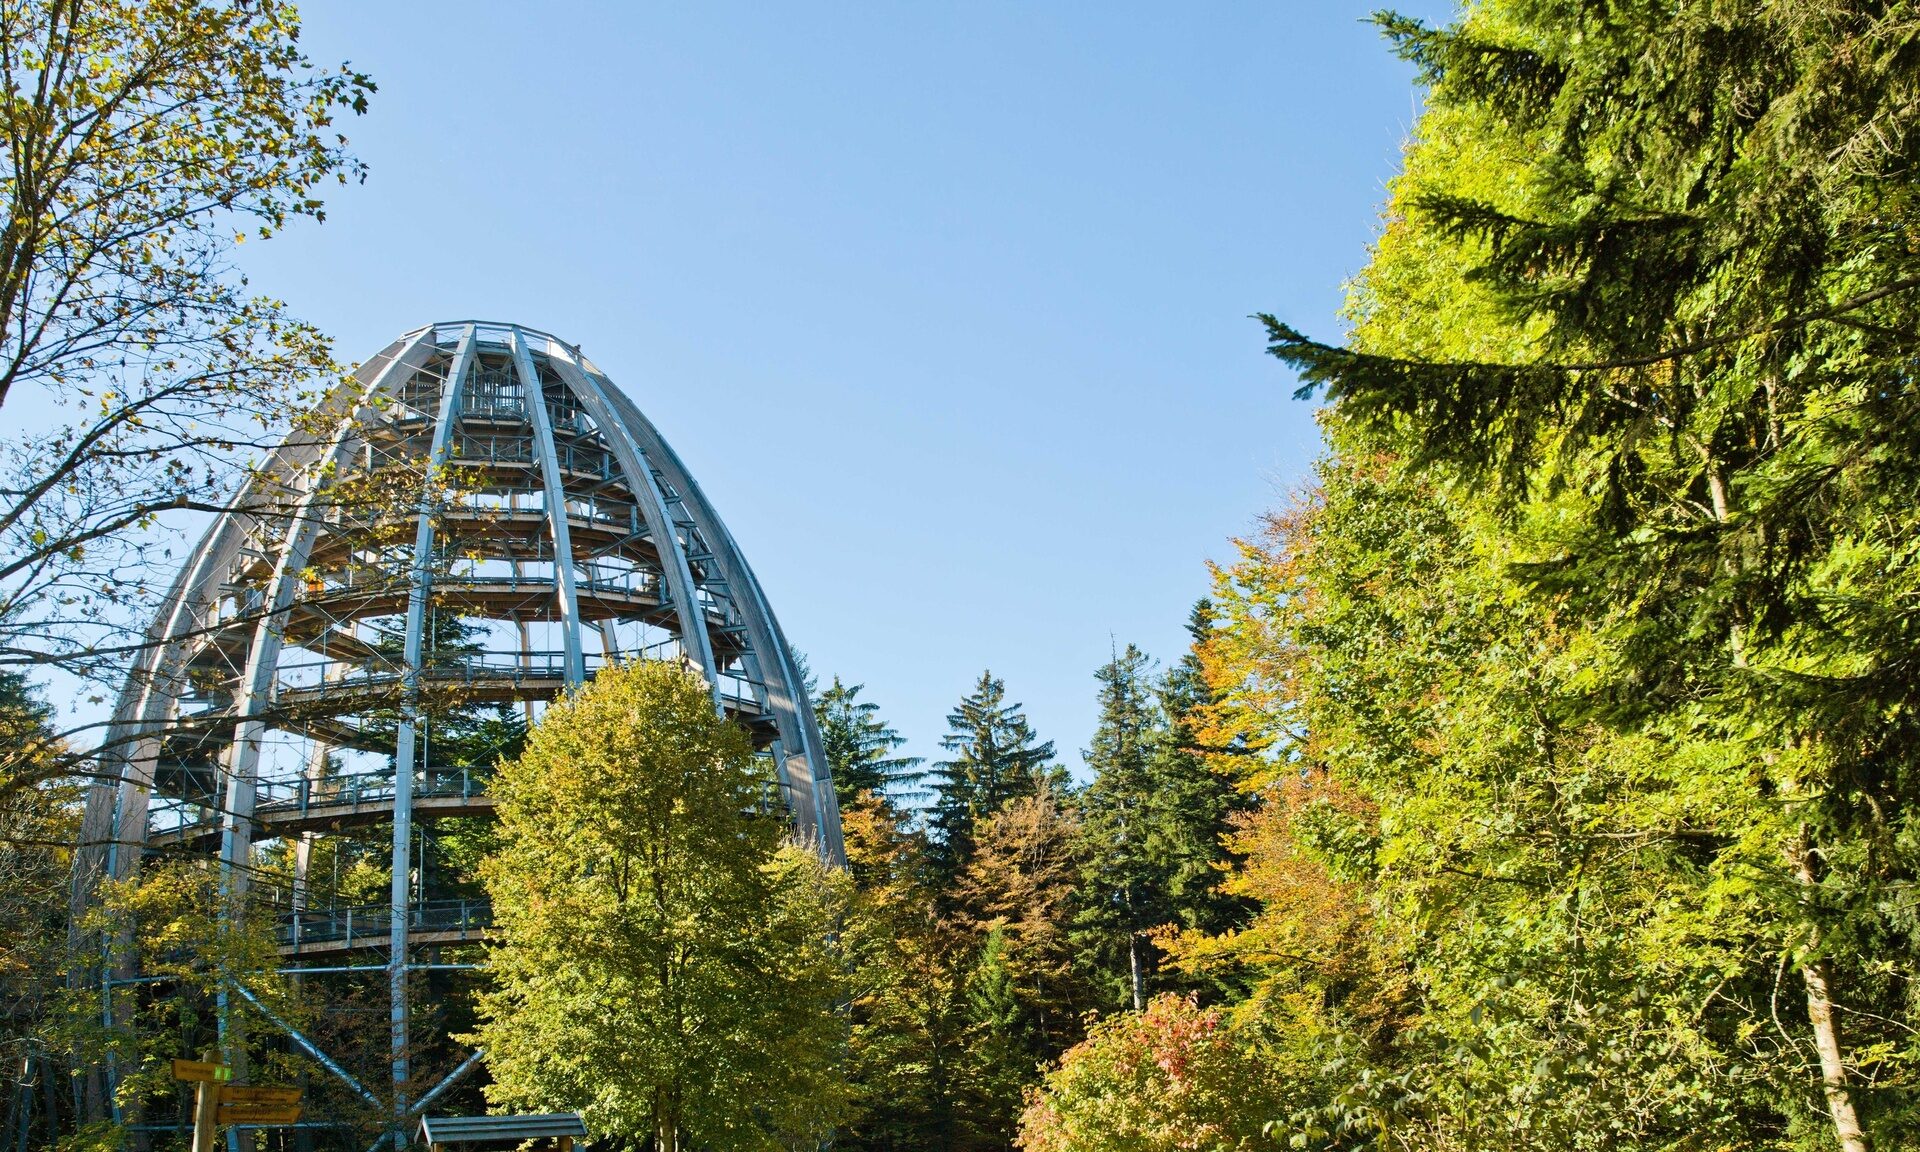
(478, 519)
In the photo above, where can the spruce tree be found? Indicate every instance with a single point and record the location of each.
(1154, 821)
(996, 758)
(999, 1052)
(1123, 893)
(860, 747)
(1194, 799)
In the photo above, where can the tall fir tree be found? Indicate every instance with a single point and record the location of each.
(1000, 1052)
(1155, 821)
(1195, 800)
(1123, 894)
(996, 758)
(860, 747)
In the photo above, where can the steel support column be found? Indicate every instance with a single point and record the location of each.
(556, 498)
(694, 640)
(800, 769)
(403, 767)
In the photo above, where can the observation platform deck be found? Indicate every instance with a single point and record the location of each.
(361, 928)
(328, 805)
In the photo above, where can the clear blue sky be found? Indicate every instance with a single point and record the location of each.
(944, 304)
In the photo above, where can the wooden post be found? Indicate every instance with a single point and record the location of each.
(206, 1104)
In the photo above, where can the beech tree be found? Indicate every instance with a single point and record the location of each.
(907, 1015)
(1026, 992)
(662, 959)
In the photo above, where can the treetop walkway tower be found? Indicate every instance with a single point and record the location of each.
(477, 520)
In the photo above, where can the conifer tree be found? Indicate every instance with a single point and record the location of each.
(1123, 890)
(1194, 797)
(860, 747)
(1153, 824)
(996, 758)
(1000, 1052)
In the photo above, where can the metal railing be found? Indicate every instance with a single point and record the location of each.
(288, 797)
(283, 800)
(634, 581)
(356, 924)
(465, 668)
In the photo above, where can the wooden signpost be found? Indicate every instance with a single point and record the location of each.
(258, 1106)
(203, 1071)
(218, 1104)
(255, 1115)
(236, 1094)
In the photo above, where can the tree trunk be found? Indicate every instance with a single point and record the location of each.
(1826, 1030)
(1833, 1070)
(1133, 959)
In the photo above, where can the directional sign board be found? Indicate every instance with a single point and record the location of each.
(258, 1114)
(201, 1070)
(235, 1094)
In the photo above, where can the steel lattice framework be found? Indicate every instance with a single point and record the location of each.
(297, 679)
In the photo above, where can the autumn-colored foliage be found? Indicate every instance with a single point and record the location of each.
(1171, 1078)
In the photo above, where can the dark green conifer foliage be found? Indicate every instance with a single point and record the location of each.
(1153, 821)
(996, 757)
(860, 747)
(1194, 804)
(1123, 893)
(1000, 1056)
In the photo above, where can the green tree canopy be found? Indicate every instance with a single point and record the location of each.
(1612, 597)
(662, 961)
(139, 143)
